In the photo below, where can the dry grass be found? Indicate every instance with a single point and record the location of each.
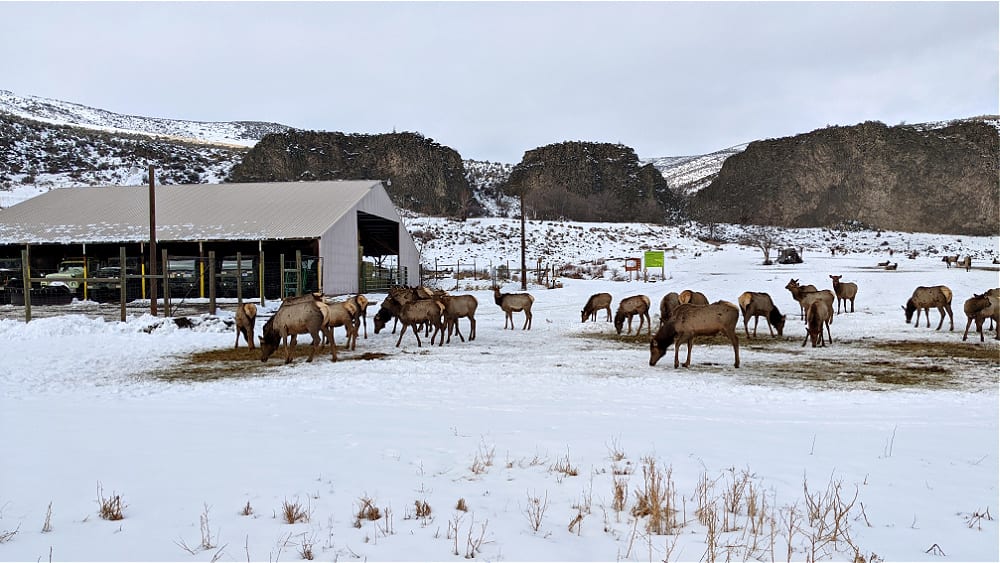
(226, 363)
(110, 508)
(294, 512)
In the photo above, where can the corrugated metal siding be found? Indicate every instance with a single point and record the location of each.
(264, 211)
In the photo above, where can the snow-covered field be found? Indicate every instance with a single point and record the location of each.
(889, 435)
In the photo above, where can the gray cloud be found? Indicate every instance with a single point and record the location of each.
(493, 80)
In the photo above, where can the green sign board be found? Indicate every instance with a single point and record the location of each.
(654, 259)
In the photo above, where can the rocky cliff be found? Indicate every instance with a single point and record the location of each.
(590, 182)
(420, 175)
(903, 178)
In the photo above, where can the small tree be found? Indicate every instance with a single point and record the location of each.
(765, 238)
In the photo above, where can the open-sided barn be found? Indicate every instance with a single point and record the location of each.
(348, 234)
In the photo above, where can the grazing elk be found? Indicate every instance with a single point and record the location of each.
(421, 311)
(688, 321)
(693, 297)
(299, 317)
(669, 302)
(512, 303)
(630, 307)
(456, 307)
(246, 318)
(818, 315)
(756, 305)
(923, 298)
(978, 308)
(950, 260)
(389, 311)
(797, 292)
(846, 291)
(597, 302)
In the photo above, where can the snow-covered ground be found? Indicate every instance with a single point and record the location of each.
(894, 427)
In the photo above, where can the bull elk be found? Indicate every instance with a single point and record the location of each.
(630, 307)
(923, 298)
(512, 303)
(754, 304)
(597, 302)
(688, 321)
(846, 291)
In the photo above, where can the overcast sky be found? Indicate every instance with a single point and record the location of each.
(493, 80)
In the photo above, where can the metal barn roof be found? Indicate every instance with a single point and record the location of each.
(200, 212)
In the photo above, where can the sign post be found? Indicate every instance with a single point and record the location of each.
(654, 259)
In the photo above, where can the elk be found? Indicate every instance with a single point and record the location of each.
(597, 302)
(846, 291)
(949, 260)
(629, 307)
(967, 263)
(797, 290)
(361, 320)
(923, 298)
(421, 311)
(299, 317)
(688, 321)
(695, 297)
(345, 314)
(756, 305)
(818, 314)
(514, 303)
(669, 302)
(456, 307)
(246, 318)
(978, 308)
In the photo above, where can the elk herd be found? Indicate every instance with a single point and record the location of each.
(683, 316)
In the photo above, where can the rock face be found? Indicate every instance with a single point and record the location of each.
(579, 181)
(420, 175)
(903, 178)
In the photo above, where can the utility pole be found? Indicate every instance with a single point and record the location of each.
(524, 266)
(152, 243)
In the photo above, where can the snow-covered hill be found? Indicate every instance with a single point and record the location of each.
(240, 133)
(688, 174)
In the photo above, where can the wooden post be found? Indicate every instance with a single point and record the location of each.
(298, 272)
(166, 284)
(123, 292)
(281, 274)
(524, 264)
(26, 269)
(239, 279)
(211, 282)
(260, 268)
(152, 242)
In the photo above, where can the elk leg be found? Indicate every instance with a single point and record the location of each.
(687, 363)
(472, 328)
(527, 320)
(401, 331)
(677, 347)
(736, 347)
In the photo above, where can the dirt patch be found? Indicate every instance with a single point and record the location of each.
(229, 363)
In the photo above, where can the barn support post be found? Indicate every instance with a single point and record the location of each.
(26, 269)
(152, 242)
(123, 292)
(239, 280)
(281, 275)
(201, 270)
(260, 281)
(166, 284)
(86, 271)
(211, 282)
(298, 272)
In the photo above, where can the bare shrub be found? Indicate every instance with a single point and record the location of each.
(47, 525)
(656, 499)
(534, 510)
(294, 512)
(565, 466)
(247, 510)
(110, 508)
(366, 511)
(619, 494)
(7, 535)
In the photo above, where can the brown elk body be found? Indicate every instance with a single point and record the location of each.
(361, 319)
(457, 307)
(630, 307)
(512, 303)
(755, 304)
(923, 298)
(978, 308)
(246, 318)
(967, 263)
(421, 311)
(597, 302)
(950, 260)
(688, 321)
(817, 316)
(300, 317)
(797, 291)
(845, 291)
(669, 302)
(345, 314)
(693, 297)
